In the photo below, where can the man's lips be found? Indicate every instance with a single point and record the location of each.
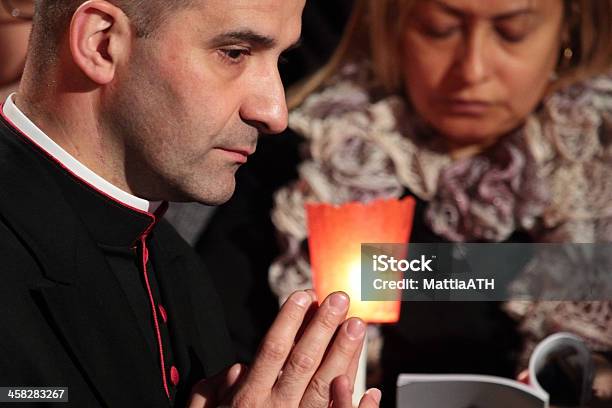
(239, 155)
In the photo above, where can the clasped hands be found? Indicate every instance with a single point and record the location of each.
(308, 359)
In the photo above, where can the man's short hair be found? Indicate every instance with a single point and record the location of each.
(52, 19)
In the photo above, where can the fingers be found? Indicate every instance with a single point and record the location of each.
(342, 396)
(312, 310)
(371, 399)
(523, 377)
(202, 396)
(343, 353)
(354, 364)
(341, 392)
(278, 342)
(209, 392)
(308, 352)
(234, 375)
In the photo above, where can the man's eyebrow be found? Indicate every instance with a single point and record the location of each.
(295, 45)
(507, 15)
(256, 40)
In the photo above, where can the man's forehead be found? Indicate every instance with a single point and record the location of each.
(269, 18)
(273, 24)
(267, 6)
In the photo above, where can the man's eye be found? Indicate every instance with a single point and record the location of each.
(234, 55)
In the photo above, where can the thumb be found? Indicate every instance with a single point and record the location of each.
(208, 393)
(524, 377)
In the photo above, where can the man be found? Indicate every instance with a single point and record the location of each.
(122, 106)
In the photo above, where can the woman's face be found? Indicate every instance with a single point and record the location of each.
(474, 69)
(14, 35)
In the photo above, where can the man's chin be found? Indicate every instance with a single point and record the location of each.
(216, 200)
(215, 195)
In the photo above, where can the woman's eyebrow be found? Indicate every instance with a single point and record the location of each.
(523, 10)
(527, 11)
(449, 9)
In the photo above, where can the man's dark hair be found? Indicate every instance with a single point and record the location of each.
(52, 18)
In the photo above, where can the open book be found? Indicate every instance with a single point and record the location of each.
(560, 373)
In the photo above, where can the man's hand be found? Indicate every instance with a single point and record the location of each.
(208, 393)
(303, 361)
(342, 395)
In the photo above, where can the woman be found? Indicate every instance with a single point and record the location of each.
(15, 24)
(497, 116)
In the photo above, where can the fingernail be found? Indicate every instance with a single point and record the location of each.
(302, 298)
(338, 301)
(375, 393)
(234, 373)
(355, 328)
(312, 294)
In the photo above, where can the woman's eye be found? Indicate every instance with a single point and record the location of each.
(511, 36)
(441, 33)
(515, 31)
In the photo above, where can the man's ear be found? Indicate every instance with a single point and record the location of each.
(100, 36)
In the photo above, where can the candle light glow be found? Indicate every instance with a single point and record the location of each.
(335, 237)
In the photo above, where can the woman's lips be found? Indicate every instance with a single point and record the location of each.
(468, 107)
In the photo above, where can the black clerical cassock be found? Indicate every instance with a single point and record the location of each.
(96, 295)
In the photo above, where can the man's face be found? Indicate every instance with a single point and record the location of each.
(190, 103)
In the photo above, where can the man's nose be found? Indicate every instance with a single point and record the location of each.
(266, 107)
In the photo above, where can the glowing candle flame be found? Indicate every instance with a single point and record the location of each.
(335, 237)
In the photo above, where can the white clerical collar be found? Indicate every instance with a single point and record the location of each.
(20, 121)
